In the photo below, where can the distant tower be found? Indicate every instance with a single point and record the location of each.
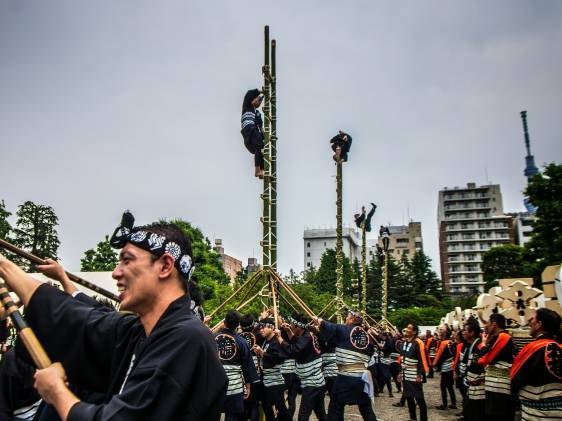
(530, 168)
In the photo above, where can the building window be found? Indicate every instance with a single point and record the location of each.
(308, 244)
(324, 244)
(308, 254)
(308, 264)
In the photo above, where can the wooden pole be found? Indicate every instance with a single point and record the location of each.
(32, 344)
(37, 260)
(225, 302)
(363, 268)
(339, 242)
(239, 307)
(294, 295)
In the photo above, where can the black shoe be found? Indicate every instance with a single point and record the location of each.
(398, 404)
(390, 395)
(453, 406)
(441, 407)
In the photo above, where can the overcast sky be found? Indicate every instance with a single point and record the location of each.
(106, 106)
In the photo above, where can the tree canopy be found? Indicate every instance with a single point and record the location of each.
(5, 227)
(103, 258)
(545, 245)
(35, 232)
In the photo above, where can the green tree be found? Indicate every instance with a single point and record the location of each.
(545, 245)
(400, 283)
(103, 258)
(209, 274)
(325, 279)
(425, 279)
(505, 261)
(309, 276)
(5, 227)
(427, 316)
(35, 232)
(374, 287)
(208, 266)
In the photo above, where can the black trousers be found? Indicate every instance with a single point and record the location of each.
(474, 409)
(412, 402)
(251, 405)
(330, 384)
(336, 410)
(395, 372)
(253, 141)
(447, 384)
(292, 383)
(275, 396)
(312, 400)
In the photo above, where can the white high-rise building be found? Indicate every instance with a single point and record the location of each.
(471, 221)
(317, 241)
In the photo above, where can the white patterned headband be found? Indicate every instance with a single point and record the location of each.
(295, 322)
(152, 242)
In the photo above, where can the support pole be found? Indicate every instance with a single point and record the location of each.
(339, 243)
(385, 286)
(293, 295)
(355, 295)
(326, 307)
(363, 270)
(266, 195)
(269, 242)
(252, 279)
(273, 161)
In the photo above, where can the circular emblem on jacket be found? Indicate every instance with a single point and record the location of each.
(226, 345)
(553, 359)
(359, 338)
(250, 338)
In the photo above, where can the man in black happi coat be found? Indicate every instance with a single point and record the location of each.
(157, 363)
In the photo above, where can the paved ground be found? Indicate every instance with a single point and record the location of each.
(386, 412)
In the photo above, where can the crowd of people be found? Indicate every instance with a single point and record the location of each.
(156, 359)
(482, 374)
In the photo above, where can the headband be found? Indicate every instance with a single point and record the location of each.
(355, 314)
(295, 322)
(156, 244)
(267, 323)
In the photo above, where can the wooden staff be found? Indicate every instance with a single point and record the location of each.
(288, 303)
(326, 307)
(293, 295)
(37, 260)
(32, 344)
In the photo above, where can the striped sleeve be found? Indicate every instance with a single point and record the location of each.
(248, 119)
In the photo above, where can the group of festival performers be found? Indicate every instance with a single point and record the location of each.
(252, 132)
(155, 359)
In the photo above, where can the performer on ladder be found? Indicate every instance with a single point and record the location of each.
(341, 143)
(360, 217)
(252, 128)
